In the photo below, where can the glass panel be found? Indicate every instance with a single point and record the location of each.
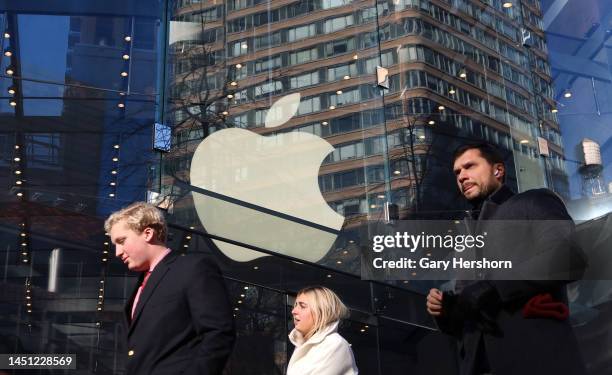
(261, 131)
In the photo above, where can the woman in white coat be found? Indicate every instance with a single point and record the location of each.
(319, 349)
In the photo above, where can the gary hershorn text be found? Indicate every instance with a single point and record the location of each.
(456, 263)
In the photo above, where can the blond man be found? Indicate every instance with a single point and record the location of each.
(178, 317)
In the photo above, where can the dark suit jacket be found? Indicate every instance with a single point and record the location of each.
(521, 345)
(183, 323)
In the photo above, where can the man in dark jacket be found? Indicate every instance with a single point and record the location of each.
(500, 325)
(179, 318)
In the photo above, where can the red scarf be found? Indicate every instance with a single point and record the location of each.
(544, 306)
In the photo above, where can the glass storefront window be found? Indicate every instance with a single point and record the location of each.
(264, 132)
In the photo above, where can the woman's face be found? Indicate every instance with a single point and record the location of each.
(303, 318)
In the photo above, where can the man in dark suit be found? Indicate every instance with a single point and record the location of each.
(179, 318)
(510, 327)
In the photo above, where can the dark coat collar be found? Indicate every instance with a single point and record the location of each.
(492, 203)
(501, 195)
(484, 208)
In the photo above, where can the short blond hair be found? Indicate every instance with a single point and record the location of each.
(138, 216)
(326, 307)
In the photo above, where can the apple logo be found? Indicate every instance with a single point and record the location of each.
(264, 190)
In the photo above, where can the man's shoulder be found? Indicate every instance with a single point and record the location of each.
(538, 204)
(196, 261)
(535, 195)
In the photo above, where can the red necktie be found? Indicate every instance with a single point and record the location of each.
(140, 289)
(146, 278)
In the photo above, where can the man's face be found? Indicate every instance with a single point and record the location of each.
(131, 247)
(475, 176)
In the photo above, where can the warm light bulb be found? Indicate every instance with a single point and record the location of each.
(126, 57)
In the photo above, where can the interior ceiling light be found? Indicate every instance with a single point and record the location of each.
(507, 4)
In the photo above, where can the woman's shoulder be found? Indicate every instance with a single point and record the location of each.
(336, 340)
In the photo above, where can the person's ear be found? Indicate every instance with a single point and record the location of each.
(499, 171)
(149, 233)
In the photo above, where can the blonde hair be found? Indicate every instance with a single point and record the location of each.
(138, 216)
(325, 306)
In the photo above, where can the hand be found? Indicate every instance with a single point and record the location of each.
(434, 302)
